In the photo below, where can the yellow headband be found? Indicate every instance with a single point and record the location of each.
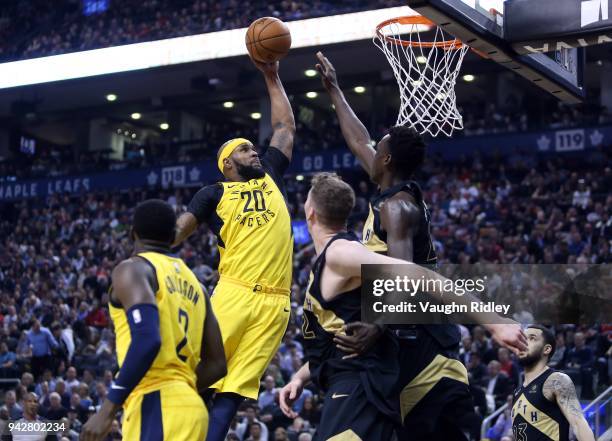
(229, 148)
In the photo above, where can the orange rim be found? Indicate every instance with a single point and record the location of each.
(416, 20)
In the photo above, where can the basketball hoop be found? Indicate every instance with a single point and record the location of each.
(426, 73)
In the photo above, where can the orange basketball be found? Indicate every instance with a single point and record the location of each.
(268, 39)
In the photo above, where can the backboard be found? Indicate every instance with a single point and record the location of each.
(480, 24)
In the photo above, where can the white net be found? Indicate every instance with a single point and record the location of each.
(426, 73)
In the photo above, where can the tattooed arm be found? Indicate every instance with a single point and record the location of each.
(559, 387)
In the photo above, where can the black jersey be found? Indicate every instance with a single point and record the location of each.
(424, 253)
(323, 319)
(375, 238)
(534, 417)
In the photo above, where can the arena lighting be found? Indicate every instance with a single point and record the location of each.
(304, 33)
(299, 178)
(310, 73)
(469, 78)
(311, 95)
(135, 115)
(164, 126)
(256, 115)
(111, 97)
(228, 104)
(421, 59)
(359, 89)
(133, 135)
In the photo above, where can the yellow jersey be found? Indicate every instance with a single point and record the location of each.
(252, 224)
(182, 312)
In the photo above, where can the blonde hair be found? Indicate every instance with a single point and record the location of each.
(333, 199)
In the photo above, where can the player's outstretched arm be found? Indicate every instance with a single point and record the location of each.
(212, 366)
(346, 257)
(283, 122)
(354, 132)
(132, 282)
(560, 388)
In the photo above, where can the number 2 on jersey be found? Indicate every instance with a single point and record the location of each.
(182, 314)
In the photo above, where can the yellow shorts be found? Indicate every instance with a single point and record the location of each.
(175, 412)
(252, 325)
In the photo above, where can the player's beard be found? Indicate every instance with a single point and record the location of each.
(530, 360)
(249, 172)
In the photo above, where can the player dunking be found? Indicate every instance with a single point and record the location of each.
(168, 341)
(249, 215)
(545, 406)
(435, 400)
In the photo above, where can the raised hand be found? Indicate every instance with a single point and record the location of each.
(266, 68)
(327, 72)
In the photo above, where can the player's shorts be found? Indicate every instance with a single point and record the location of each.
(253, 320)
(435, 400)
(349, 414)
(175, 412)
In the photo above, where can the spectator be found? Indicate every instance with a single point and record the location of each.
(557, 361)
(15, 411)
(55, 411)
(86, 400)
(311, 412)
(76, 407)
(580, 366)
(97, 316)
(115, 432)
(508, 366)
(498, 386)
(72, 383)
(60, 389)
(24, 350)
(266, 397)
(465, 351)
(8, 369)
(100, 396)
(249, 418)
(27, 382)
(481, 342)
(297, 426)
(582, 195)
(255, 430)
(42, 391)
(61, 353)
(477, 371)
(280, 434)
(74, 423)
(43, 343)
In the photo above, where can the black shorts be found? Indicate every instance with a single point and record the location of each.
(349, 414)
(435, 401)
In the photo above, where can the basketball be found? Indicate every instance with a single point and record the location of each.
(268, 39)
